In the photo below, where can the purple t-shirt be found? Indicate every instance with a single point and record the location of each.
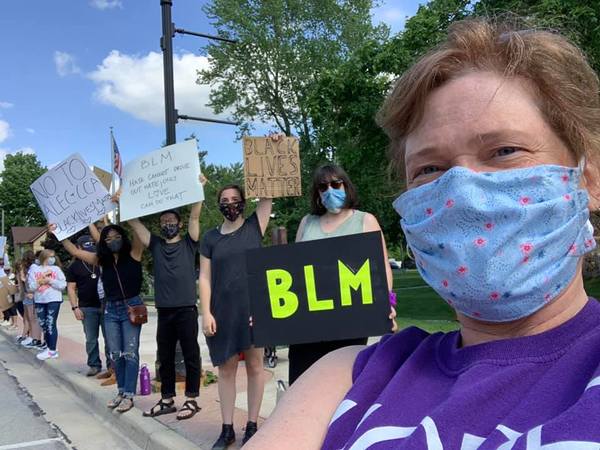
(414, 390)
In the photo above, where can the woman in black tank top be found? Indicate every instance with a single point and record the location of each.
(120, 260)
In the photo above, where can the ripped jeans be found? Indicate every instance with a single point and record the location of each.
(124, 343)
(47, 315)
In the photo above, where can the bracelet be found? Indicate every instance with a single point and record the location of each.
(393, 299)
(73, 308)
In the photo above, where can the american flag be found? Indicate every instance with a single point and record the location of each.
(117, 163)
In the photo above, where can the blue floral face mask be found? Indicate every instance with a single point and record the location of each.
(333, 200)
(498, 246)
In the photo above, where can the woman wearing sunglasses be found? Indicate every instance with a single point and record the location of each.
(226, 307)
(333, 214)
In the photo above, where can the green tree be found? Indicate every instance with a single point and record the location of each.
(17, 201)
(283, 46)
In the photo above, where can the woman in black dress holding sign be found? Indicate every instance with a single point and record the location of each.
(225, 304)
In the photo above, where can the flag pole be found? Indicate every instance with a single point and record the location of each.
(112, 171)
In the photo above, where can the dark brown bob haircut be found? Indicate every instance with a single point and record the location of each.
(325, 174)
(231, 186)
(556, 71)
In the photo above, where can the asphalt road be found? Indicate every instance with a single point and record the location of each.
(22, 422)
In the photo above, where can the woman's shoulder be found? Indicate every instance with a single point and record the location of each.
(390, 352)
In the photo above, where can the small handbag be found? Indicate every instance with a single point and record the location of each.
(138, 314)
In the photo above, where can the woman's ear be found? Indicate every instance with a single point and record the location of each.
(591, 178)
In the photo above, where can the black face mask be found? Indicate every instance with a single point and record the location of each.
(89, 247)
(170, 230)
(231, 211)
(115, 245)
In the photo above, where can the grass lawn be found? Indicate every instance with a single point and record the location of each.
(419, 305)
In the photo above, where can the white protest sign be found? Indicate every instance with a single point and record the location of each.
(71, 196)
(2, 246)
(166, 178)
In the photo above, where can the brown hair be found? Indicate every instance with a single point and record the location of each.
(231, 186)
(47, 253)
(325, 174)
(563, 82)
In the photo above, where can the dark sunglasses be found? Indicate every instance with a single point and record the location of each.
(336, 184)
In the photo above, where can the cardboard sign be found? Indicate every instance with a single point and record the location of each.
(272, 169)
(166, 178)
(2, 246)
(320, 290)
(71, 196)
(104, 176)
(6, 289)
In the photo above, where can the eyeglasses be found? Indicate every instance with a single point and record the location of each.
(335, 184)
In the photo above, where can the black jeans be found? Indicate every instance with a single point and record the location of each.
(178, 324)
(302, 356)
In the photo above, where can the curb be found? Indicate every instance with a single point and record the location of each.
(145, 432)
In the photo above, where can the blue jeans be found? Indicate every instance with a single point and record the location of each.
(93, 321)
(47, 314)
(123, 343)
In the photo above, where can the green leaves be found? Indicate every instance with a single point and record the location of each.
(16, 199)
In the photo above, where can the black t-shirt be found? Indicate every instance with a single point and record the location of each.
(129, 272)
(174, 272)
(81, 273)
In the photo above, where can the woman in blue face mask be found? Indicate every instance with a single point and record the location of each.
(333, 213)
(497, 133)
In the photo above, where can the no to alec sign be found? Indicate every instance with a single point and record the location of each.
(320, 290)
(71, 196)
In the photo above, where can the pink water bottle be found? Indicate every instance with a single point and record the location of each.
(145, 388)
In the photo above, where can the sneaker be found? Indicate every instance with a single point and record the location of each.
(25, 342)
(92, 371)
(251, 429)
(41, 346)
(47, 354)
(34, 343)
(226, 438)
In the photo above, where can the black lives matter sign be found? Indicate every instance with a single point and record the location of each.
(272, 168)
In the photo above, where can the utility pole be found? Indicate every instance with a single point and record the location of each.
(166, 44)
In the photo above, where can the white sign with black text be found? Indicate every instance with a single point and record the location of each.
(71, 196)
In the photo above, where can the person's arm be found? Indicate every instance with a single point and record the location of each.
(209, 324)
(73, 300)
(140, 231)
(88, 257)
(301, 227)
(305, 410)
(59, 283)
(94, 233)
(194, 222)
(371, 224)
(32, 283)
(137, 247)
(263, 213)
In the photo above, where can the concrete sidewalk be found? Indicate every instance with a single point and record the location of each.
(160, 433)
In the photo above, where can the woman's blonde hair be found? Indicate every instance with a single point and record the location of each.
(563, 82)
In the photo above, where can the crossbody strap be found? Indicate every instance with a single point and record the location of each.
(119, 280)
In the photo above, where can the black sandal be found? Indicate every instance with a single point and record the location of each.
(163, 408)
(188, 405)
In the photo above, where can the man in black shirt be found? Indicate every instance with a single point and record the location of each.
(82, 289)
(175, 299)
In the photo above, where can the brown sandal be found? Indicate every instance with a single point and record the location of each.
(161, 408)
(189, 410)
